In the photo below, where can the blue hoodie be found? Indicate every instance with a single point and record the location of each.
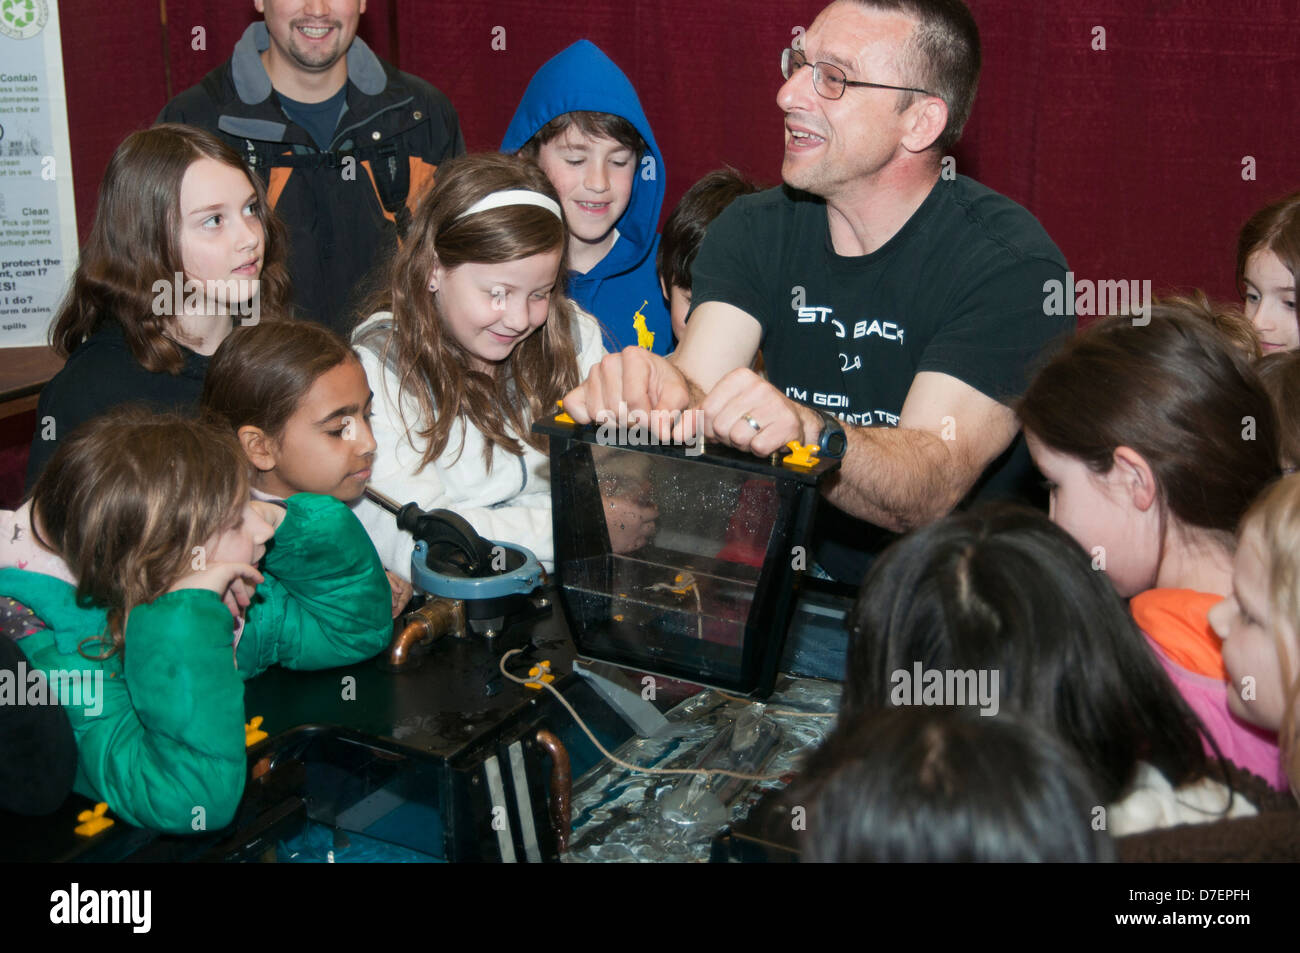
(624, 283)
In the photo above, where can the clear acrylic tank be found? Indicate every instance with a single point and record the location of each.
(675, 561)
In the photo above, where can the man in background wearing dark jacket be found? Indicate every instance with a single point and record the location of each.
(345, 142)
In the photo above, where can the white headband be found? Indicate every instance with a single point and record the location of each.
(512, 197)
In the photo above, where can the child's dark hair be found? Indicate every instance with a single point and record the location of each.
(1001, 588)
(594, 124)
(259, 374)
(134, 243)
(1274, 228)
(684, 230)
(1233, 325)
(922, 784)
(1175, 391)
(1280, 374)
(127, 497)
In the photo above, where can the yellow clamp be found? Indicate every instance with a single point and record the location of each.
(253, 732)
(562, 417)
(684, 583)
(93, 820)
(540, 674)
(802, 455)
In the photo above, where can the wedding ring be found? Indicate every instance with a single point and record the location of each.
(752, 422)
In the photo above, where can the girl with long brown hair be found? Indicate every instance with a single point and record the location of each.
(473, 339)
(145, 576)
(297, 399)
(1268, 269)
(1155, 439)
(184, 245)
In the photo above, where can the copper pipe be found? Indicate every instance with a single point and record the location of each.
(561, 806)
(433, 620)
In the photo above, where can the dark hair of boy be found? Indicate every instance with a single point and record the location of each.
(593, 124)
(926, 784)
(1002, 588)
(1174, 390)
(259, 374)
(685, 228)
(1280, 374)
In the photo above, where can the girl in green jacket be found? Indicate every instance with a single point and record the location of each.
(296, 397)
(170, 612)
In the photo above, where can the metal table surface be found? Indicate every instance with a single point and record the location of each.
(617, 814)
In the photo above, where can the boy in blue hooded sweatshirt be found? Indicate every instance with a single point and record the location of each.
(581, 121)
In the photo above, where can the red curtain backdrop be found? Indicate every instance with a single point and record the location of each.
(1131, 156)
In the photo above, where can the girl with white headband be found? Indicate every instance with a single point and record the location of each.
(472, 339)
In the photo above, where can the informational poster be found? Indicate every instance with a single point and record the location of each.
(38, 219)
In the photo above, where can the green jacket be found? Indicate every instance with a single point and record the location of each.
(160, 726)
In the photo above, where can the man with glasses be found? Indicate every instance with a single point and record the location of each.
(345, 142)
(899, 306)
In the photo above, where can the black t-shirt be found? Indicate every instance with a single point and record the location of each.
(958, 290)
(319, 119)
(101, 374)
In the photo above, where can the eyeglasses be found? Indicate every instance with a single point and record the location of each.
(829, 80)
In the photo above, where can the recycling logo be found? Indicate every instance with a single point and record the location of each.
(23, 19)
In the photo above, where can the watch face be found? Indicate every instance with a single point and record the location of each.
(833, 441)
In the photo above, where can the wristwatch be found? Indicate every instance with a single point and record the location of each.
(832, 442)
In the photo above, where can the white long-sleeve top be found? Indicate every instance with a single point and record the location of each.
(509, 504)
